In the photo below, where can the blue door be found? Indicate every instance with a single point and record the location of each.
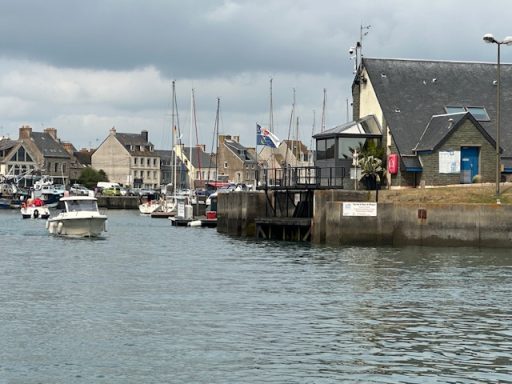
(468, 164)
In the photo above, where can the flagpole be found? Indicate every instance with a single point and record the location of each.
(257, 174)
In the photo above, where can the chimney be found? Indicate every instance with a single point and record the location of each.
(25, 132)
(202, 146)
(223, 138)
(113, 131)
(52, 132)
(68, 147)
(144, 135)
(236, 138)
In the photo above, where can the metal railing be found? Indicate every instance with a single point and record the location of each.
(301, 178)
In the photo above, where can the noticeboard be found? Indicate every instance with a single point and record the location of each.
(359, 209)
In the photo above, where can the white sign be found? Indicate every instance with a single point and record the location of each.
(359, 209)
(449, 162)
(355, 173)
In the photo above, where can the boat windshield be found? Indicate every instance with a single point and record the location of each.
(81, 205)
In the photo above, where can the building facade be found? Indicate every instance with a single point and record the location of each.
(128, 159)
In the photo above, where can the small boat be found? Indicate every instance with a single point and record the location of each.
(80, 218)
(34, 209)
(150, 206)
(211, 212)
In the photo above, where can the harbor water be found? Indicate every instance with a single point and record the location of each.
(154, 303)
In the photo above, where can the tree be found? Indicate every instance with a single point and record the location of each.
(89, 177)
(371, 171)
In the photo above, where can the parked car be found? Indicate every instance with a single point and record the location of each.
(77, 189)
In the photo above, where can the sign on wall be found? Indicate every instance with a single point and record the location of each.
(449, 162)
(359, 209)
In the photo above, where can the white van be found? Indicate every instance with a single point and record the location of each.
(107, 184)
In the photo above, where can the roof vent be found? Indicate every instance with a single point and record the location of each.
(397, 110)
(383, 75)
(434, 79)
(424, 82)
(495, 82)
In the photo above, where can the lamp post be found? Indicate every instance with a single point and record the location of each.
(489, 38)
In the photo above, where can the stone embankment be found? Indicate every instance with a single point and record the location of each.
(395, 223)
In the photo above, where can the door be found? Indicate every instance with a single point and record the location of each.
(469, 159)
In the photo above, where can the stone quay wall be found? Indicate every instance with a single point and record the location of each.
(481, 225)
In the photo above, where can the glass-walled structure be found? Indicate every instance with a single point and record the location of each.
(335, 147)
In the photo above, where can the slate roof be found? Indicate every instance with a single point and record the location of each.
(198, 155)
(240, 151)
(48, 146)
(440, 128)
(134, 140)
(410, 92)
(7, 144)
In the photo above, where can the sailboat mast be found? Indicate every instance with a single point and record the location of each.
(297, 143)
(190, 137)
(175, 161)
(292, 115)
(312, 130)
(271, 111)
(323, 111)
(217, 118)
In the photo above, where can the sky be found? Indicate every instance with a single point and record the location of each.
(84, 67)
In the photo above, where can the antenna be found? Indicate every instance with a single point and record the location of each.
(356, 52)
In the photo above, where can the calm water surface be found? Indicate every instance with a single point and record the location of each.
(152, 303)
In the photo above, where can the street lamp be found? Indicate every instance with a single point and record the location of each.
(489, 38)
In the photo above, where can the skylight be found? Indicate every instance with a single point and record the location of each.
(479, 113)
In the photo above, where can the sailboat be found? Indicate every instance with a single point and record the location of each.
(167, 207)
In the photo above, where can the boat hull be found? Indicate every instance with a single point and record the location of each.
(35, 213)
(77, 227)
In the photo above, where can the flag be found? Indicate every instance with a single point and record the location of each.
(265, 137)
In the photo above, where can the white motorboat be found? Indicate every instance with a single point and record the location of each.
(80, 218)
(34, 209)
(150, 206)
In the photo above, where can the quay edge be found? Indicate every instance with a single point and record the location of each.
(396, 223)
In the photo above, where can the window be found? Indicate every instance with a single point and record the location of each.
(134, 161)
(325, 149)
(56, 167)
(148, 162)
(346, 146)
(454, 109)
(154, 162)
(225, 164)
(479, 113)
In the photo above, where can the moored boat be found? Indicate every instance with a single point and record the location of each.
(34, 209)
(80, 218)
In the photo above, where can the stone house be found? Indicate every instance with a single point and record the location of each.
(437, 118)
(16, 159)
(128, 159)
(293, 153)
(48, 152)
(236, 162)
